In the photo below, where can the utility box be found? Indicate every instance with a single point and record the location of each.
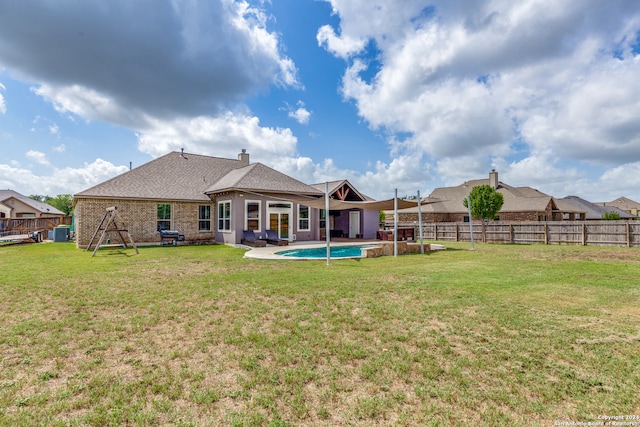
(61, 234)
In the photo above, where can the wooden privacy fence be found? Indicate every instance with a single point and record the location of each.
(9, 226)
(591, 233)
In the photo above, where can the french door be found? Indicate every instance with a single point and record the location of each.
(280, 219)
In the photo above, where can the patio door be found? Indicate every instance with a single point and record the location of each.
(354, 224)
(280, 219)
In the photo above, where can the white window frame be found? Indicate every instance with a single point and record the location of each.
(223, 229)
(308, 219)
(246, 214)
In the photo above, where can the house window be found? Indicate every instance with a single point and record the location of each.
(465, 218)
(204, 218)
(224, 216)
(164, 217)
(303, 218)
(323, 219)
(252, 216)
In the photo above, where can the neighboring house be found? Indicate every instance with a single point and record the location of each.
(15, 205)
(520, 204)
(593, 210)
(211, 199)
(624, 204)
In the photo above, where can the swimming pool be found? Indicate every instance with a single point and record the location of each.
(354, 251)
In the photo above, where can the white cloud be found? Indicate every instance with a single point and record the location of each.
(474, 82)
(60, 148)
(222, 136)
(622, 180)
(89, 104)
(340, 46)
(300, 114)
(406, 173)
(60, 181)
(37, 157)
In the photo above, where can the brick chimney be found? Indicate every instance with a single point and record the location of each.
(493, 179)
(244, 157)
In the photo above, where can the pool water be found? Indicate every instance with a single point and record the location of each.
(336, 252)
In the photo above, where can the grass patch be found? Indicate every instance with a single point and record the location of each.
(503, 335)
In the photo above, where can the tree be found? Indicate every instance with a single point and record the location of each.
(62, 202)
(486, 202)
(39, 198)
(611, 216)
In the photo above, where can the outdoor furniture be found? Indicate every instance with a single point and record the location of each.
(170, 237)
(404, 233)
(273, 239)
(382, 234)
(250, 239)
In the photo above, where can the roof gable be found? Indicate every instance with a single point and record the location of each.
(342, 189)
(624, 203)
(260, 178)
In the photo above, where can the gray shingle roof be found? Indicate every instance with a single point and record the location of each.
(39, 206)
(260, 178)
(170, 177)
(175, 176)
(593, 210)
(623, 203)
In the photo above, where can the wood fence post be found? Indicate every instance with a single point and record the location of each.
(584, 234)
(546, 233)
(628, 229)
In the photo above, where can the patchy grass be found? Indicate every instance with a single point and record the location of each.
(503, 335)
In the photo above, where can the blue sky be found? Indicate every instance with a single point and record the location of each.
(413, 97)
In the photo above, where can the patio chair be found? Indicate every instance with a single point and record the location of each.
(273, 239)
(250, 239)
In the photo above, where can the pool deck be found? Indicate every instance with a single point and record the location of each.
(269, 252)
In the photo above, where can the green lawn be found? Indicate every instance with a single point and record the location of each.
(503, 335)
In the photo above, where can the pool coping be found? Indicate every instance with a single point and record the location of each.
(269, 252)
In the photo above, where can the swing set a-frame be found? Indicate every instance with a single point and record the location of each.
(111, 222)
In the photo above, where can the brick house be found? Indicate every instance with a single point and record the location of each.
(520, 204)
(212, 199)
